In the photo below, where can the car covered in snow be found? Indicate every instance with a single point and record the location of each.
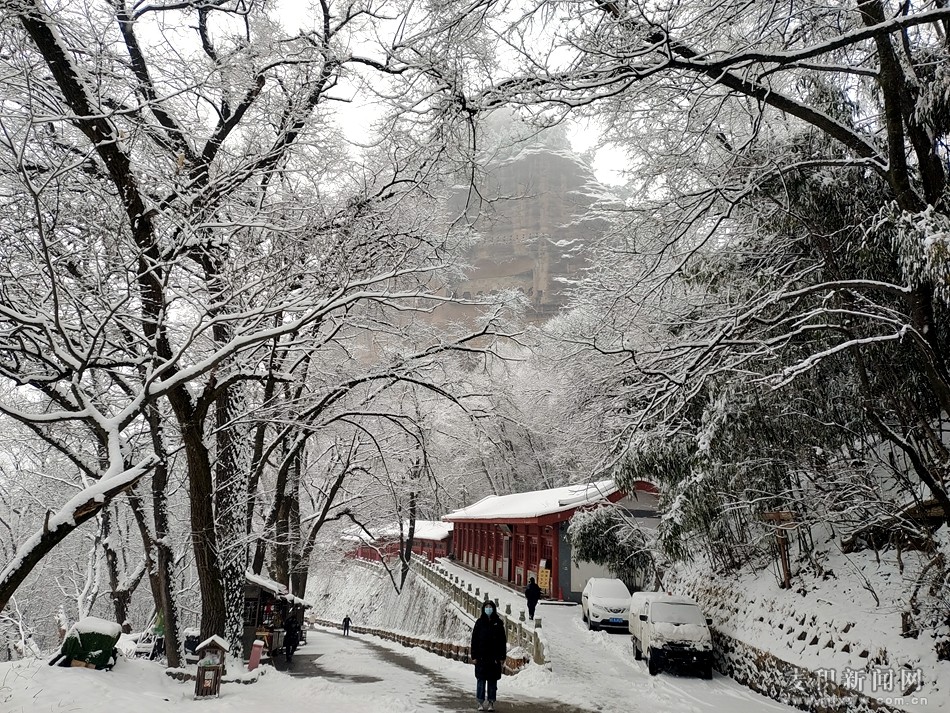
(605, 602)
(670, 632)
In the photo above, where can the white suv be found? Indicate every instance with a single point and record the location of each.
(605, 603)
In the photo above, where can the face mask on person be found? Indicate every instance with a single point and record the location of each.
(489, 610)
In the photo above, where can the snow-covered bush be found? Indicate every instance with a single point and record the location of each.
(606, 536)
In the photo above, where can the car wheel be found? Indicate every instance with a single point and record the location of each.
(591, 626)
(583, 615)
(653, 666)
(707, 671)
(637, 654)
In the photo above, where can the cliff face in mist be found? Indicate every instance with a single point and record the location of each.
(529, 213)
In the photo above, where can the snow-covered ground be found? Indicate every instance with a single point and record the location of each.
(140, 686)
(588, 671)
(356, 676)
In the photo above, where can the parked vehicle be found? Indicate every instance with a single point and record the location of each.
(670, 631)
(637, 602)
(638, 607)
(605, 602)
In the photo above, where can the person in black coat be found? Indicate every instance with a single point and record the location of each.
(488, 652)
(291, 635)
(532, 593)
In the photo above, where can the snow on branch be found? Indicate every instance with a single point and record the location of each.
(84, 505)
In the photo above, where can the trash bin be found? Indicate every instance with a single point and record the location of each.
(208, 682)
(210, 667)
(256, 649)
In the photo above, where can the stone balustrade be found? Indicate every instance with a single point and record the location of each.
(521, 634)
(524, 639)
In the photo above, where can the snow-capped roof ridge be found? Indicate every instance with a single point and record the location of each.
(424, 530)
(609, 488)
(536, 503)
(276, 588)
(214, 639)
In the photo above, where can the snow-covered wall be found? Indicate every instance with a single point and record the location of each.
(436, 610)
(787, 683)
(835, 635)
(366, 594)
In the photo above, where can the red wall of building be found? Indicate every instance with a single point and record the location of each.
(430, 549)
(482, 547)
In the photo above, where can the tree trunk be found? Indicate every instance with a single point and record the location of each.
(301, 574)
(285, 526)
(159, 562)
(410, 536)
(231, 517)
(204, 538)
(164, 560)
(120, 593)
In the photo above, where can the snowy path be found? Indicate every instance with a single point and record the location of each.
(396, 678)
(597, 670)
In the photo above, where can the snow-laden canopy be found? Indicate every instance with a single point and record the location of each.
(536, 502)
(276, 588)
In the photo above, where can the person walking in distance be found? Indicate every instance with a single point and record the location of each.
(532, 593)
(346, 625)
(488, 652)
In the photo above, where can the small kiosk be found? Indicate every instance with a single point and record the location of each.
(211, 653)
(267, 604)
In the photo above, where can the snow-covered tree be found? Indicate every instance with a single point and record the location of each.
(766, 324)
(606, 536)
(182, 216)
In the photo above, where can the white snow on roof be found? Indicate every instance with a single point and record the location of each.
(213, 640)
(269, 584)
(425, 530)
(276, 588)
(92, 624)
(536, 502)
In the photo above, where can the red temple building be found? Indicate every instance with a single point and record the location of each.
(431, 539)
(514, 537)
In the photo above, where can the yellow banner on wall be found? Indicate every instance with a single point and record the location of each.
(544, 578)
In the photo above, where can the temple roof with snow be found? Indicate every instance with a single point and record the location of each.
(537, 504)
(425, 530)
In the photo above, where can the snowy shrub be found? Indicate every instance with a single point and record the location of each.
(606, 536)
